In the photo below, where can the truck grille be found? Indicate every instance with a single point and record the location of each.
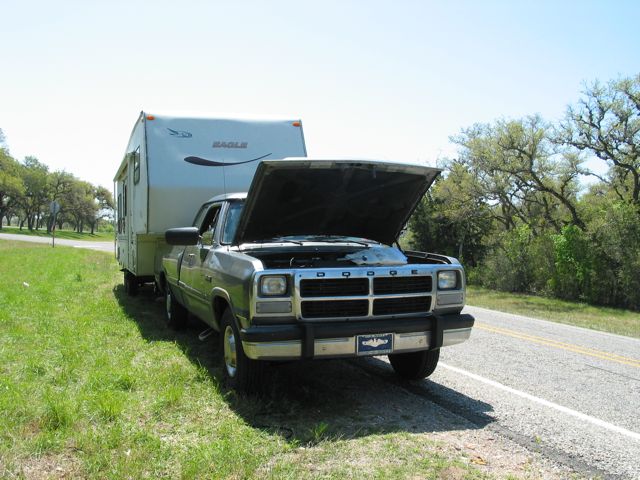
(335, 308)
(334, 287)
(361, 297)
(391, 285)
(397, 306)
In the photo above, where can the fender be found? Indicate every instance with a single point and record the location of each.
(221, 293)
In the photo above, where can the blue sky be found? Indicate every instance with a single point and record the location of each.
(388, 80)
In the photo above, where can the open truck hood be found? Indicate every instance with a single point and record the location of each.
(356, 198)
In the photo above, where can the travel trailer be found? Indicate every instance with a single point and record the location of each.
(173, 164)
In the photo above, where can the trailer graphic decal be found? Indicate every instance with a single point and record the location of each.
(211, 163)
(179, 133)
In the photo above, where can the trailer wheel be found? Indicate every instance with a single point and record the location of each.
(176, 313)
(238, 371)
(130, 284)
(415, 365)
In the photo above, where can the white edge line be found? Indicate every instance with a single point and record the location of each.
(546, 403)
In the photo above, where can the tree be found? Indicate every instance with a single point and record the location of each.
(519, 166)
(11, 185)
(452, 218)
(60, 184)
(78, 203)
(105, 206)
(35, 177)
(606, 123)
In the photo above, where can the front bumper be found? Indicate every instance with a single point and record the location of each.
(338, 339)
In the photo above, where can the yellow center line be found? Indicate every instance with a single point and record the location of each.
(612, 357)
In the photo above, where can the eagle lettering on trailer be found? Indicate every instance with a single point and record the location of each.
(218, 144)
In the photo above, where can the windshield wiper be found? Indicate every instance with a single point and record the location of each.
(276, 239)
(338, 239)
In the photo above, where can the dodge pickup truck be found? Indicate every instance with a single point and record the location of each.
(304, 266)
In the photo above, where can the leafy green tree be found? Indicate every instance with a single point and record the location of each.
(11, 185)
(452, 218)
(35, 177)
(606, 123)
(60, 184)
(79, 204)
(522, 169)
(105, 205)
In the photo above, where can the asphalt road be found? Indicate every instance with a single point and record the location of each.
(570, 393)
(102, 246)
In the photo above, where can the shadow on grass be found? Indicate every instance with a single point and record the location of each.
(310, 401)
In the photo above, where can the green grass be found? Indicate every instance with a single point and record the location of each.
(66, 234)
(93, 385)
(613, 320)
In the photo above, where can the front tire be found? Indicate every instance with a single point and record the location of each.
(238, 371)
(176, 313)
(415, 365)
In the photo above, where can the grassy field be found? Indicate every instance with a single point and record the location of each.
(67, 234)
(93, 385)
(613, 320)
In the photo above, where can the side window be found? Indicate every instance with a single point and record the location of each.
(136, 166)
(207, 229)
(124, 208)
(231, 223)
(119, 213)
(200, 215)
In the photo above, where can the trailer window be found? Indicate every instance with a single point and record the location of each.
(136, 166)
(124, 210)
(119, 213)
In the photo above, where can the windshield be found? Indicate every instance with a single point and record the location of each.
(231, 223)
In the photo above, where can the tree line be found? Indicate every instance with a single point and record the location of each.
(524, 213)
(27, 189)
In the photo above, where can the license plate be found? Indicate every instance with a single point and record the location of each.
(374, 344)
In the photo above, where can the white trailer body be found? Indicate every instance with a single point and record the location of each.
(173, 164)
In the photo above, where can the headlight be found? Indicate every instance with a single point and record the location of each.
(273, 285)
(447, 280)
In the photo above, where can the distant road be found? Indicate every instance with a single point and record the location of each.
(101, 246)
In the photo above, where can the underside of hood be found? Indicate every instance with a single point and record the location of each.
(356, 198)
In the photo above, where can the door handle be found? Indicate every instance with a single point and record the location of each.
(208, 278)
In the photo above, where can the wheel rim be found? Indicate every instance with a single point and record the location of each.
(168, 304)
(230, 351)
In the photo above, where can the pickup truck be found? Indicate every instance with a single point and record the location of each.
(303, 267)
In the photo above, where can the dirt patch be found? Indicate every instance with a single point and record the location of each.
(49, 467)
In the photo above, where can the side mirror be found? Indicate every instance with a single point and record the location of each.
(182, 236)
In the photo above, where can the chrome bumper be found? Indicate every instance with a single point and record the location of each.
(346, 346)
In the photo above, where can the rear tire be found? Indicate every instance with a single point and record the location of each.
(415, 365)
(130, 284)
(238, 371)
(176, 313)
